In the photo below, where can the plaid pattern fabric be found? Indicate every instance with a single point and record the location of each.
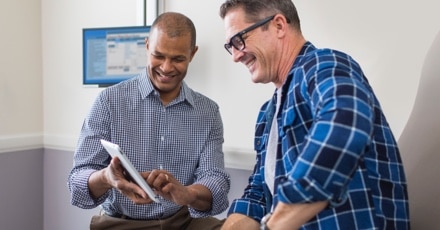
(334, 144)
(185, 137)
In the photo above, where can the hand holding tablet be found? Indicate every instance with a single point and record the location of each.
(115, 151)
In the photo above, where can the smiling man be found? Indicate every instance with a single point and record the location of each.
(326, 156)
(172, 135)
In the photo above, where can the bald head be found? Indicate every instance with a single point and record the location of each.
(175, 25)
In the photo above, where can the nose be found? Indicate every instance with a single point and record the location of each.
(236, 54)
(166, 65)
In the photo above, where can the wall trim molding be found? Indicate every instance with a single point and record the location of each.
(239, 158)
(235, 158)
(60, 142)
(13, 143)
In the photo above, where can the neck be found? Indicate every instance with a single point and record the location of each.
(289, 53)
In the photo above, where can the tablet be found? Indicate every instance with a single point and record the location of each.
(115, 151)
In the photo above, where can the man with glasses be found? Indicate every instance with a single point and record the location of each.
(326, 156)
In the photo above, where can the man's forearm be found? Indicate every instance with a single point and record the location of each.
(293, 216)
(202, 197)
(238, 221)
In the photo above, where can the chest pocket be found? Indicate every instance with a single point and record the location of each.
(259, 140)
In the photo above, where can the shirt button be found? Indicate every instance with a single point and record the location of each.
(283, 179)
(162, 138)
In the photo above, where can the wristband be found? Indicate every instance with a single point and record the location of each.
(264, 220)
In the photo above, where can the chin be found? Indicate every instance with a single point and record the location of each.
(256, 78)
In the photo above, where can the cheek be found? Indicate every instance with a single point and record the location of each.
(181, 67)
(154, 62)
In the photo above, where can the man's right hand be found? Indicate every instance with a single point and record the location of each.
(113, 176)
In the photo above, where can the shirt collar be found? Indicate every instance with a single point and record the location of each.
(146, 88)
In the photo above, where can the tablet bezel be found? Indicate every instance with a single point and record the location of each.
(115, 151)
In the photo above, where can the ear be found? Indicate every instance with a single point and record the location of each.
(147, 43)
(281, 24)
(194, 52)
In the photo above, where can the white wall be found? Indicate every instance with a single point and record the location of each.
(66, 100)
(41, 94)
(21, 102)
(389, 39)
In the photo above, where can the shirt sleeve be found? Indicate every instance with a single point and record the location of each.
(89, 157)
(211, 172)
(253, 201)
(338, 137)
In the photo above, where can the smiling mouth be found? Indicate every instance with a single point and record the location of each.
(161, 75)
(250, 64)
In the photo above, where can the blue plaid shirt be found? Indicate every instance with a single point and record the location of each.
(185, 137)
(334, 145)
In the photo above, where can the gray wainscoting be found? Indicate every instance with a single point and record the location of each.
(21, 190)
(34, 193)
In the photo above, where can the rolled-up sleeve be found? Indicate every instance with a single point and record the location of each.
(338, 138)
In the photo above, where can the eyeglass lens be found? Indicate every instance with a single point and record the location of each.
(237, 40)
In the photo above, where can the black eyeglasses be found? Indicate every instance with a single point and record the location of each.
(237, 40)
